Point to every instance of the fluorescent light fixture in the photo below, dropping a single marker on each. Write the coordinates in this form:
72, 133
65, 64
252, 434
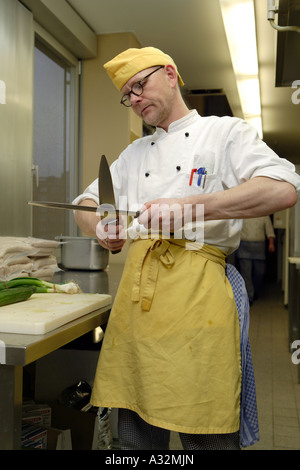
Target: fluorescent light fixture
249, 93
239, 22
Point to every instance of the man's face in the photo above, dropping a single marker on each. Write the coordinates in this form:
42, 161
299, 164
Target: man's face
155, 104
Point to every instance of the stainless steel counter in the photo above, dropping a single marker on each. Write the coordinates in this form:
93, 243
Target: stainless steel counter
18, 350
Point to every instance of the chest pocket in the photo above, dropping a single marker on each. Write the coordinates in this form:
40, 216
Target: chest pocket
201, 176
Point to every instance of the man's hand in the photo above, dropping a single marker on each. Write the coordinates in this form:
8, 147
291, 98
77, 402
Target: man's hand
271, 245
111, 233
163, 215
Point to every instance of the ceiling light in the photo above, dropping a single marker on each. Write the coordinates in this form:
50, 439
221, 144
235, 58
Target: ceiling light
239, 22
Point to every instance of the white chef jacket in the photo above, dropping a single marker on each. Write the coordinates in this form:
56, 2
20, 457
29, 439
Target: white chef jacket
161, 166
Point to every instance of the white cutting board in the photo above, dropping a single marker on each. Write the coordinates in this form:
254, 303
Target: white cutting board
45, 312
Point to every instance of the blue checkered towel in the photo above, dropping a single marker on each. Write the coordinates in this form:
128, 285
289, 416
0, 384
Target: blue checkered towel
249, 432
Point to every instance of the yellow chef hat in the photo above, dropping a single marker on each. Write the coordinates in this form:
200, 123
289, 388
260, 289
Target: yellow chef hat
122, 67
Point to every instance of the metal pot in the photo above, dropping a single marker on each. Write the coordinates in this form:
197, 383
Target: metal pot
82, 253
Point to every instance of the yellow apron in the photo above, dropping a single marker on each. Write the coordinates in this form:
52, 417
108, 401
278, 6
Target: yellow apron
171, 350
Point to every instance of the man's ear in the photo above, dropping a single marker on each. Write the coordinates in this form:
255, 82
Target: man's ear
171, 74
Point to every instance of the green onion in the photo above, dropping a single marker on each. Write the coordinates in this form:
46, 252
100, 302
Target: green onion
41, 286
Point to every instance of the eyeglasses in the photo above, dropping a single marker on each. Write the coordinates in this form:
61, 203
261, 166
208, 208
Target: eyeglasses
136, 89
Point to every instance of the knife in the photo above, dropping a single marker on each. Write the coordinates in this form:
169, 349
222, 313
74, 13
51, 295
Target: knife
106, 197
102, 210
105, 188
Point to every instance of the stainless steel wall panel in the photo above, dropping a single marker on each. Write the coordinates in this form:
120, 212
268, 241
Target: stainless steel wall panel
16, 117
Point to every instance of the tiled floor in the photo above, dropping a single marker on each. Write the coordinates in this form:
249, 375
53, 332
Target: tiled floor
277, 387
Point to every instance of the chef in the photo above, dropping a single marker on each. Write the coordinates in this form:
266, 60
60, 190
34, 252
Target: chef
171, 358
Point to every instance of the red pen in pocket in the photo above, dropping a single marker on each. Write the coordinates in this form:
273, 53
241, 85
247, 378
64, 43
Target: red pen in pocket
194, 170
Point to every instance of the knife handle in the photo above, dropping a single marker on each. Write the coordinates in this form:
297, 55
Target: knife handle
116, 251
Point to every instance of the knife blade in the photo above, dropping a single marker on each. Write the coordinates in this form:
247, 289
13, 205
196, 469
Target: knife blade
105, 185
105, 188
101, 210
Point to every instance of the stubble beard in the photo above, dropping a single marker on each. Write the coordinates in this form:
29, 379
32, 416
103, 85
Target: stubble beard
158, 118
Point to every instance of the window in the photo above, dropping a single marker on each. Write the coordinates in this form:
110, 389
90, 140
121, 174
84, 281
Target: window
54, 140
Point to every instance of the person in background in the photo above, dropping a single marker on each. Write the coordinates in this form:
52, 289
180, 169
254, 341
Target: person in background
171, 355
251, 254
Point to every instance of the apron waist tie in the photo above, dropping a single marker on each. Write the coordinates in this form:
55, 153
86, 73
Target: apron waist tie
159, 251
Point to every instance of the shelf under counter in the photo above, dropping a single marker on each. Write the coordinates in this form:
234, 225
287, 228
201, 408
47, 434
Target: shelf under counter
18, 350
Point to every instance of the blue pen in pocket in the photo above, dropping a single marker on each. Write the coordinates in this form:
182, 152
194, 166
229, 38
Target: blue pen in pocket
201, 172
